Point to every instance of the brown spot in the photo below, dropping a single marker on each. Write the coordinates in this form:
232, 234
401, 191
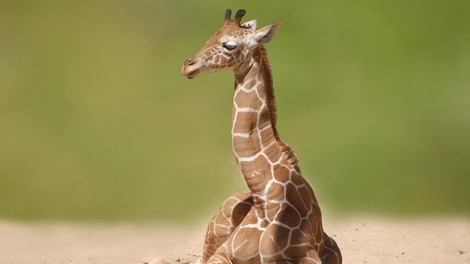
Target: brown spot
273, 153
281, 173
248, 238
245, 122
295, 198
256, 173
267, 137
246, 147
299, 237
221, 219
217, 59
244, 99
276, 192
297, 179
289, 216
274, 239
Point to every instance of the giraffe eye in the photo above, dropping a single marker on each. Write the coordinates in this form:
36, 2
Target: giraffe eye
229, 45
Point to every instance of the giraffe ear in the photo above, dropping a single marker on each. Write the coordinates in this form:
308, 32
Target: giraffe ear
265, 34
249, 24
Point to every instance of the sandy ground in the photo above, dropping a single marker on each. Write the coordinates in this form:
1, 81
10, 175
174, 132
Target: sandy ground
362, 240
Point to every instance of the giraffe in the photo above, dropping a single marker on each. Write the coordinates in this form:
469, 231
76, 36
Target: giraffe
278, 220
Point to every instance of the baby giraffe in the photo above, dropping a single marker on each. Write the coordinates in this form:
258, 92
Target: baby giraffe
279, 219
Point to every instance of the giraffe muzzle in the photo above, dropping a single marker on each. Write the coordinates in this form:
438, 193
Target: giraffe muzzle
191, 68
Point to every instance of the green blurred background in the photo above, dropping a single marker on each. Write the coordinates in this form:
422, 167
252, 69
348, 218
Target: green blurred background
97, 124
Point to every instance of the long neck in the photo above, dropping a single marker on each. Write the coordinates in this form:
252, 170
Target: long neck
254, 135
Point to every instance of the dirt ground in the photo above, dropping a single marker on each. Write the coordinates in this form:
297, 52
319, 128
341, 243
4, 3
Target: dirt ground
362, 240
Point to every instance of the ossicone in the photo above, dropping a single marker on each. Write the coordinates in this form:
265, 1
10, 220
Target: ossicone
228, 15
238, 16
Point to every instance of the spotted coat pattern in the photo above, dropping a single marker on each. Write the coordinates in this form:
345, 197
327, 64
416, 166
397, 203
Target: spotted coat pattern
278, 220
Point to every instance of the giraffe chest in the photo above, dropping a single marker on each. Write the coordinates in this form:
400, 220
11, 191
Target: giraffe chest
257, 240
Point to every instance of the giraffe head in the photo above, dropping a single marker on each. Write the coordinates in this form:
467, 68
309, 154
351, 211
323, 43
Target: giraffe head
230, 47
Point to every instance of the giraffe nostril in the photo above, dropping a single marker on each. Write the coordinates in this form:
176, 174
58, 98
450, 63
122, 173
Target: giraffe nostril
190, 62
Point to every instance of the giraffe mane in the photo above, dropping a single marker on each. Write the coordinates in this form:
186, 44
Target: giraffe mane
286, 149
269, 88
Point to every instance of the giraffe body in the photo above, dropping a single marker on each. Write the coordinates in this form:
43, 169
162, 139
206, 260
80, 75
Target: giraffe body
278, 220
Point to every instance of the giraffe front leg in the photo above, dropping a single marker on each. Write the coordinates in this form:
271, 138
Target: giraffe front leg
231, 213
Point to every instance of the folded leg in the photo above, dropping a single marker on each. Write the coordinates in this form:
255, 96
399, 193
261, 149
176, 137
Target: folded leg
231, 213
